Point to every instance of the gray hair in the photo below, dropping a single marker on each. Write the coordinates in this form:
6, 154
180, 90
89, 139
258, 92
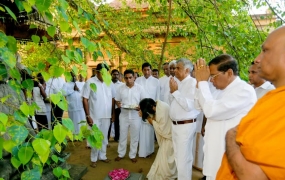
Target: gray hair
173, 62
186, 63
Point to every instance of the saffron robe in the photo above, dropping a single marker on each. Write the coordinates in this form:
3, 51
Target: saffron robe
261, 135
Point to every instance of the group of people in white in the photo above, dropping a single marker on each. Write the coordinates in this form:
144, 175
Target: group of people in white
166, 108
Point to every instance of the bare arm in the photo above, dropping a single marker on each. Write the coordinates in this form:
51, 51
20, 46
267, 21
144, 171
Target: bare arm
243, 169
86, 109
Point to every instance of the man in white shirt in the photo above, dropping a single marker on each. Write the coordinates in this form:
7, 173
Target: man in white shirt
223, 105
75, 106
98, 110
261, 86
164, 83
155, 73
115, 126
127, 98
151, 89
53, 86
183, 114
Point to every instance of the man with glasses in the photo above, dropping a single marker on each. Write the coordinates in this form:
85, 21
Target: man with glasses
128, 97
223, 105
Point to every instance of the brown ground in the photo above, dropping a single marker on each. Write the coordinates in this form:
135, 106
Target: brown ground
81, 155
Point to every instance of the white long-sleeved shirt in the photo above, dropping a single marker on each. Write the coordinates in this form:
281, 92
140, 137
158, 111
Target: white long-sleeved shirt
73, 97
223, 109
263, 89
100, 102
164, 89
130, 96
151, 87
54, 85
182, 101
115, 87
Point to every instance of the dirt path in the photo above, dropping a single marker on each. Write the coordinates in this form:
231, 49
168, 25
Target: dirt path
81, 155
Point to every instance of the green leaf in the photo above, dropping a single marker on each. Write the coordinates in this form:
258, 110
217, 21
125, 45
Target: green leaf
63, 105
12, 44
41, 146
11, 13
44, 157
93, 87
14, 73
75, 69
59, 133
49, 16
25, 108
28, 84
33, 174
54, 158
68, 76
65, 173
3, 39
2, 9
8, 145
36, 160
15, 162
44, 39
70, 54
51, 31
3, 99
106, 76
46, 76
109, 54
65, 59
77, 56
92, 141
15, 86
27, 6
64, 26
3, 72
8, 57
56, 71
57, 171
43, 5
19, 116
1, 146
32, 2
36, 39
76, 26
18, 133
3, 118
25, 154
41, 66
52, 61
68, 123
58, 148
32, 26
55, 98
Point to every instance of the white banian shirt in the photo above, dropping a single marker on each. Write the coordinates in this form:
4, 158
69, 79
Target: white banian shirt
100, 102
115, 86
164, 89
130, 96
182, 101
54, 85
223, 109
151, 87
263, 89
73, 97
80, 85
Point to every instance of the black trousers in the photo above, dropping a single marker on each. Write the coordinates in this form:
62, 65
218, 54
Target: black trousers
56, 113
116, 124
42, 119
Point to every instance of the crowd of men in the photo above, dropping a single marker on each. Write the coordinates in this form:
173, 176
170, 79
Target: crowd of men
239, 128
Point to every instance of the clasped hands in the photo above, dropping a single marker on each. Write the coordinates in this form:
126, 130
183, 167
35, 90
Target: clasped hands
202, 71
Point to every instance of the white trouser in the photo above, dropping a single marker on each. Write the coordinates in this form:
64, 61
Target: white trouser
103, 124
134, 126
182, 137
146, 141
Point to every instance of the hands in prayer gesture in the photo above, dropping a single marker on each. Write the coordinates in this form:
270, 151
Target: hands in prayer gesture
173, 85
202, 71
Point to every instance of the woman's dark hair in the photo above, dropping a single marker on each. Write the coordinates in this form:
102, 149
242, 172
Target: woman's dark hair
146, 106
225, 62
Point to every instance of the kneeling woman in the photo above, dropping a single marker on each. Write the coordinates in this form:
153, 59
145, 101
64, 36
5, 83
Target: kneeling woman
157, 114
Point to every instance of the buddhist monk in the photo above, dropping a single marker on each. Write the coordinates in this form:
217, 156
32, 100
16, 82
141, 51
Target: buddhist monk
255, 148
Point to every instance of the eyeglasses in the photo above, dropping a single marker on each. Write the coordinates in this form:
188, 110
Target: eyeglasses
214, 76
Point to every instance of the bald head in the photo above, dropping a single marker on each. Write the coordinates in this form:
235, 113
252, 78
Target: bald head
271, 61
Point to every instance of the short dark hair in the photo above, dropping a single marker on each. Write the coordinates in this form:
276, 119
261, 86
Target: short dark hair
155, 70
138, 75
129, 71
115, 70
166, 63
102, 65
146, 106
146, 64
224, 63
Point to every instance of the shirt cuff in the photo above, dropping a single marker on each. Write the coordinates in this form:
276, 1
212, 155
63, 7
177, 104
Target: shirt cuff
175, 93
202, 84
